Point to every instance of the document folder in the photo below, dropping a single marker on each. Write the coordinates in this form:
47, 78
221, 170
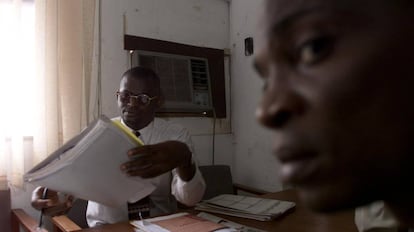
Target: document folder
88, 166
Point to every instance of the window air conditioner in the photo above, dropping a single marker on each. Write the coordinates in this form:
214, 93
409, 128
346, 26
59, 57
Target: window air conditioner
185, 81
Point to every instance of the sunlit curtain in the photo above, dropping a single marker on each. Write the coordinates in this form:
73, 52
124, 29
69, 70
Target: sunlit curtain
48, 79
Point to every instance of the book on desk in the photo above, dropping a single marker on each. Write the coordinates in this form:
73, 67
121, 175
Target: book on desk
88, 166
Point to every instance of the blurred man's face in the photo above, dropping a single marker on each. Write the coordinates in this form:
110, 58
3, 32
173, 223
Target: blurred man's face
338, 93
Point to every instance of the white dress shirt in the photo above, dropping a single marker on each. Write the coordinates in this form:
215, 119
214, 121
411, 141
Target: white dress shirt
169, 186
375, 216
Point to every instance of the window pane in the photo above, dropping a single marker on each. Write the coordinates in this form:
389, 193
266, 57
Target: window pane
17, 73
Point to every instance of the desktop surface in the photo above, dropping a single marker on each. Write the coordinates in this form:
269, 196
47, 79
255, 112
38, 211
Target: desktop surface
299, 219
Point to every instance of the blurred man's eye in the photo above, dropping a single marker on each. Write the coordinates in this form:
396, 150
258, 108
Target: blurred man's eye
261, 70
260, 66
314, 50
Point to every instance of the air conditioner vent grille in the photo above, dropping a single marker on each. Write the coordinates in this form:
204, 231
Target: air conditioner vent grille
184, 80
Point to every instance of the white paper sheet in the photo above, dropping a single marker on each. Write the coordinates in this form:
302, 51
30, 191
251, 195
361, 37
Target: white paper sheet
88, 167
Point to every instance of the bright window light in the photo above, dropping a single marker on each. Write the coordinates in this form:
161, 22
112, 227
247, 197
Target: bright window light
17, 69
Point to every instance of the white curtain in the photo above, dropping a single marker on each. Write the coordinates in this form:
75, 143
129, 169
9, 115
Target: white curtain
50, 89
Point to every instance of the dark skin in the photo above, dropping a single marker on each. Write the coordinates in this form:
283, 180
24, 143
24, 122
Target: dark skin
52, 205
145, 161
338, 94
151, 160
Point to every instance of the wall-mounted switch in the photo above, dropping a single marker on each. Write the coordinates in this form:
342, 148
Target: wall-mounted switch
248, 46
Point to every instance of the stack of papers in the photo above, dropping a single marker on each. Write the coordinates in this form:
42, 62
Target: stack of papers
88, 166
179, 222
233, 226
246, 207
184, 222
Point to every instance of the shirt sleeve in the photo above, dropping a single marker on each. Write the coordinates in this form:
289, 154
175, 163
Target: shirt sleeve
188, 192
191, 192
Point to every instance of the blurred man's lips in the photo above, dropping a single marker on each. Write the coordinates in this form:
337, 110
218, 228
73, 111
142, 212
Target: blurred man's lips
291, 154
297, 166
297, 171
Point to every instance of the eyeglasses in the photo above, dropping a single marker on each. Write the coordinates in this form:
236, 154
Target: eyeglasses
132, 99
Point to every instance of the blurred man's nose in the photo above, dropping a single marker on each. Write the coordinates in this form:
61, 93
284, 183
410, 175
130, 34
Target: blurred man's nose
280, 105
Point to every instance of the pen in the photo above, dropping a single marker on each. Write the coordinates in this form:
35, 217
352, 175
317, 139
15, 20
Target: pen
44, 196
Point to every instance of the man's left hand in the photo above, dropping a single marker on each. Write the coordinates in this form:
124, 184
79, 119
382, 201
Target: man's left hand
153, 160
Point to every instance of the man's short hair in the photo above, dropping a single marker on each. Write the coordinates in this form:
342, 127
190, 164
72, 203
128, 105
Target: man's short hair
145, 73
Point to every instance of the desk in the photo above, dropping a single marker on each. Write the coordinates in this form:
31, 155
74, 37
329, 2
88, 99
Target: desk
299, 220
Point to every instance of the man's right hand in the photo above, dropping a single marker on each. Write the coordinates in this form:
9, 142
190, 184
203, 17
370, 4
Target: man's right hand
51, 205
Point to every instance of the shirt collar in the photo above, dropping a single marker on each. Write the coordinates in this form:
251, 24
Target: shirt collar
142, 130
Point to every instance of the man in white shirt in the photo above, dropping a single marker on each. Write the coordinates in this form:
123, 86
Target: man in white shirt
167, 156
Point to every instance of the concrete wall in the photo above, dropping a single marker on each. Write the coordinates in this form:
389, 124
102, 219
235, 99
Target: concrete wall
253, 164
193, 22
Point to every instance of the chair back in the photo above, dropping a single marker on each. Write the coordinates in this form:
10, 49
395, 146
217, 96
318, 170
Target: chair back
5, 210
218, 180
78, 213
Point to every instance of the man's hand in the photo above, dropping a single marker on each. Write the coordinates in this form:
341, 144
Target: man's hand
51, 206
153, 160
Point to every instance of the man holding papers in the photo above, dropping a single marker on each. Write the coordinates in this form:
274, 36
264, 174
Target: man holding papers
166, 158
